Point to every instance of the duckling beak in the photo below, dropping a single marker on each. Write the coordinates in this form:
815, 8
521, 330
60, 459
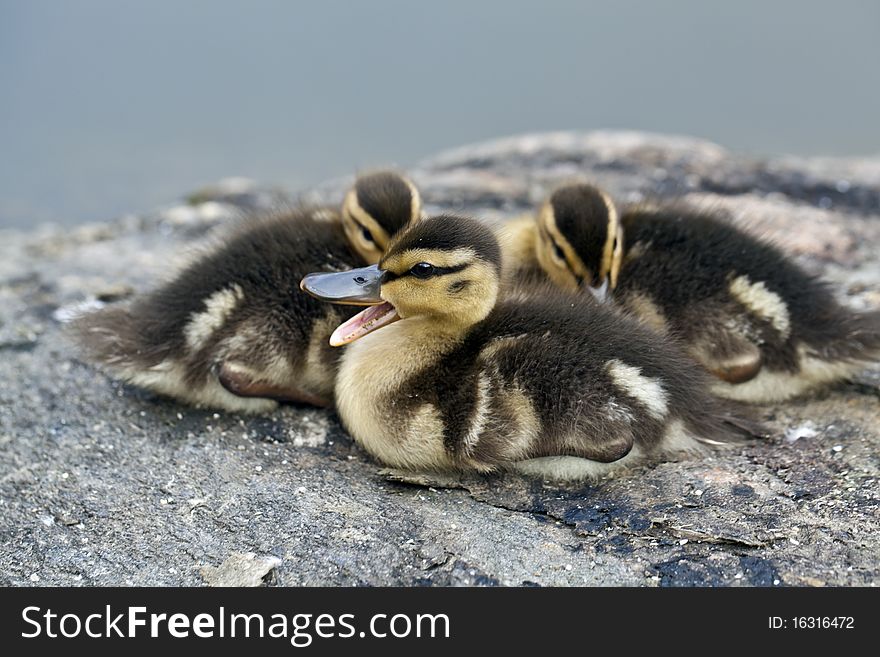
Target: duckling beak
358, 287
600, 291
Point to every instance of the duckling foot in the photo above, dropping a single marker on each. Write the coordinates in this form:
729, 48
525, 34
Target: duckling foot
737, 371
242, 384
732, 365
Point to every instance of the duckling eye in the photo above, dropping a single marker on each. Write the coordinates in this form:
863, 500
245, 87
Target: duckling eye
367, 235
558, 252
422, 270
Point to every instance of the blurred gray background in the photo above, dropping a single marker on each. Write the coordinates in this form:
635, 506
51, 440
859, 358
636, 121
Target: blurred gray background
113, 106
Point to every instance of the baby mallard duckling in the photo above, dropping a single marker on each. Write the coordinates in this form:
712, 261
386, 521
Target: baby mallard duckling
748, 314
233, 330
441, 374
376, 207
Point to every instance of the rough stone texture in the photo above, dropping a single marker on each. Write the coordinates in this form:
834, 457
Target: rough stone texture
104, 484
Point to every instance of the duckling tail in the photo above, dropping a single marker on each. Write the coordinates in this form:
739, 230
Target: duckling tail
857, 340
730, 423
740, 422
112, 337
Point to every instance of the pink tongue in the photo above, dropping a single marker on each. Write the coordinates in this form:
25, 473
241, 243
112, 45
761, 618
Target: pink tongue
364, 322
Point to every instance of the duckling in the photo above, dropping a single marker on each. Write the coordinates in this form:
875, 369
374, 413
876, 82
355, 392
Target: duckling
765, 328
441, 374
233, 330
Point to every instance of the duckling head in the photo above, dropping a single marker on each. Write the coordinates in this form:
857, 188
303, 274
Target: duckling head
377, 207
580, 239
444, 270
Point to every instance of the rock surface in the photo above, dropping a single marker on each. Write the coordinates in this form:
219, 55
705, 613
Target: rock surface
102, 484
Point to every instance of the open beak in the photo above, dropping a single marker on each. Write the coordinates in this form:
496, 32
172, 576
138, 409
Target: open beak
357, 287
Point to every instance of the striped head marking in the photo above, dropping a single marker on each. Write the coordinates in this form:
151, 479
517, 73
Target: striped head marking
580, 238
377, 207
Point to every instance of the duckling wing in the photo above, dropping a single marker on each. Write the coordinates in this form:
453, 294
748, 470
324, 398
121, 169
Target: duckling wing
720, 335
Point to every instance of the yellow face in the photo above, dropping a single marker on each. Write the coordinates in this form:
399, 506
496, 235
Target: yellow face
453, 287
364, 233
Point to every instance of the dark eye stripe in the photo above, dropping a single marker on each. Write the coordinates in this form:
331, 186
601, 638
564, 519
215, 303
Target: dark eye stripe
364, 230
438, 271
561, 254
556, 247
442, 271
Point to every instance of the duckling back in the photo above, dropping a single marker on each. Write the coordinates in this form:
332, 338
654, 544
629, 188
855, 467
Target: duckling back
765, 327
605, 389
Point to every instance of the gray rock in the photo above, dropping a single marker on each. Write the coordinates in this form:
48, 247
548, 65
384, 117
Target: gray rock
240, 570
105, 484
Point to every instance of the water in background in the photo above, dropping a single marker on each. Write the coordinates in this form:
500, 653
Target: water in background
112, 106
